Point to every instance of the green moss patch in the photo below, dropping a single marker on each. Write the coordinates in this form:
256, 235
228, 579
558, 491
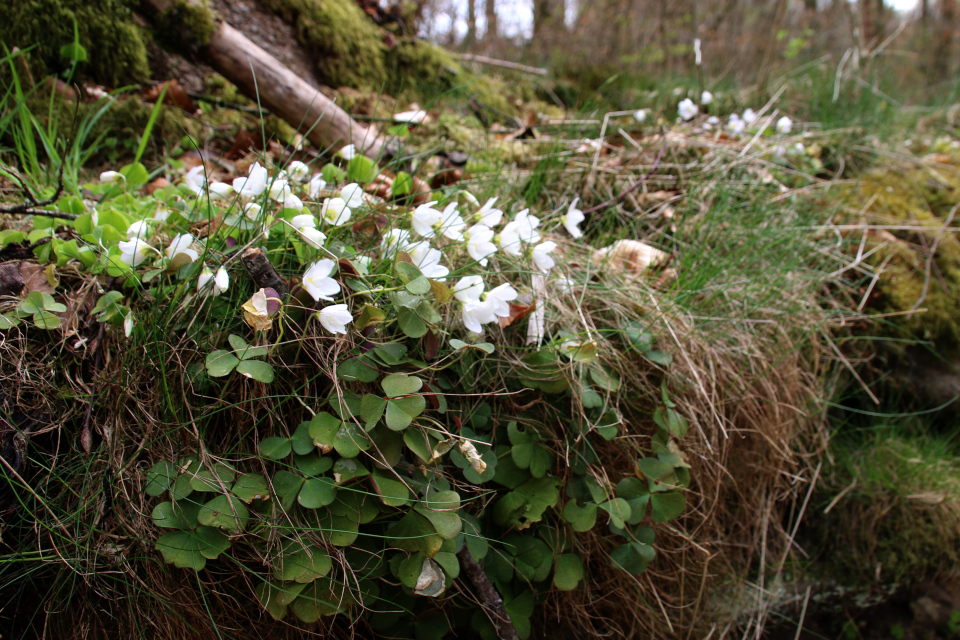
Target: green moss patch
116, 47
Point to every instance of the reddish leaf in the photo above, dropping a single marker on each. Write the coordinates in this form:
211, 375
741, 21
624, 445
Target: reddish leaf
517, 312
431, 346
175, 95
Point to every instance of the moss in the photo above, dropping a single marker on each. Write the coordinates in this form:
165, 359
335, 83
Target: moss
923, 198
347, 46
900, 513
186, 26
116, 48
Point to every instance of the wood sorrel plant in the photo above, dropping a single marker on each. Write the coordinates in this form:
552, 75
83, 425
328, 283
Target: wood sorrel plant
414, 457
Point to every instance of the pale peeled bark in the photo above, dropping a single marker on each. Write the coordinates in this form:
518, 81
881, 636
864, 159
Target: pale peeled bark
260, 76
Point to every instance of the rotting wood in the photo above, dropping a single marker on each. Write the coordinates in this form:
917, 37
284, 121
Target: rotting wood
491, 599
263, 78
262, 273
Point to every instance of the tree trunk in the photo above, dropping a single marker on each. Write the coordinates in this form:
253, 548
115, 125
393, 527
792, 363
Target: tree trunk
259, 76
490, 10
471, 36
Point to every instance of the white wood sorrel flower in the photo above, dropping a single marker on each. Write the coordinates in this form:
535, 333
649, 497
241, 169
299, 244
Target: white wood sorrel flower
427, 259
108, 177
253, 184
134, 251
297, 171
335, 318
489, 216
213, 284
571, 221
480, 244
784, 125
541, 256
179, 250
352, 194
317, 280
335, 211
687, 109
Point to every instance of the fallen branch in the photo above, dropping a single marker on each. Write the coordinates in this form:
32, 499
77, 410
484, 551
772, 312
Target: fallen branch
491, 599
32, 206
504, 64
264, 79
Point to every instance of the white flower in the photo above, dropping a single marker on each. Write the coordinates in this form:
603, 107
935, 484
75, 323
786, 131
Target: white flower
253, 184
335, 211
736, 125
317, 280
352, 194
425, 218
509, 239
348, 152
335, 318
749, 116
279, 190
137, 229
313, 237
220, 190
501, 297
541, 256
217, 283
108, 177
316, 185
180, 246
488, 215
565, 284
480, 245
706, 98
427, 260
526, 226
798, 149
784, 125
128, 324
394, 241
251, 211
304, 221
133, 252
195, 180
221, 282
714, 120
161, 214
291, 201
468, 289
451, 224
414, 117
687, 109
572, 220
640, 115
297, 171
476, 314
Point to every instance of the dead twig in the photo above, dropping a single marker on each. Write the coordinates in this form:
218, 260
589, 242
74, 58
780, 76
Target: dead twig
634, 186
491, 599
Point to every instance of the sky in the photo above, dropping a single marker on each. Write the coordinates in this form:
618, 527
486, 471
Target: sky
516, 16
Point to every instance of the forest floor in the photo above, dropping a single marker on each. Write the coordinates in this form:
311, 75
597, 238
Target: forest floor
793, 294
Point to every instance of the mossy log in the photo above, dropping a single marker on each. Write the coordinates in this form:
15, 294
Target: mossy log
262, 77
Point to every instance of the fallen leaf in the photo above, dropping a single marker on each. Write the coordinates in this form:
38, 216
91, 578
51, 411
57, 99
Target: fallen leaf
630, 256
159, 183
473, 457
34, 278
517, 312
175, 95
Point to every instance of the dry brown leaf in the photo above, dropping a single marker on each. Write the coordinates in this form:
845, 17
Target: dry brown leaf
517, 312
34, 279
175, 95
630, 256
